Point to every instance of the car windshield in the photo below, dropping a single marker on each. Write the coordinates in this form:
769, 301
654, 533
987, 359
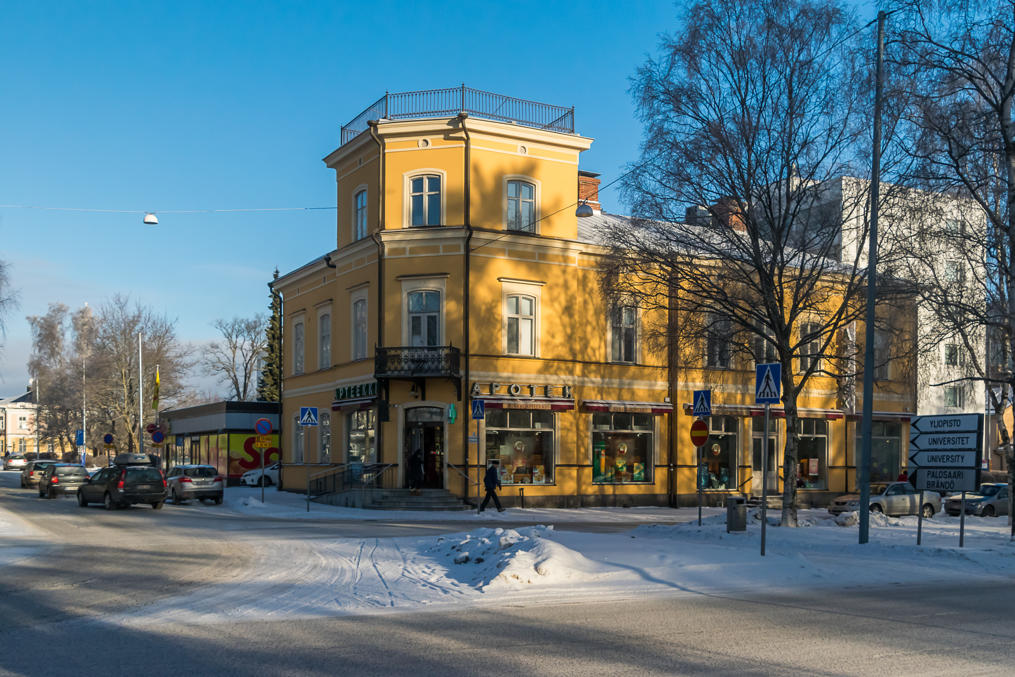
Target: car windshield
143, 475
989, 489
878, 489
74, 470
42, 465
204, 471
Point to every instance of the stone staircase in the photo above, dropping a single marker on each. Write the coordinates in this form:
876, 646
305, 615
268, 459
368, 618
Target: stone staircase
401, 499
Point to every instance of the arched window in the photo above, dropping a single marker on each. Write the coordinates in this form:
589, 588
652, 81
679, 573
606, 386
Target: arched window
521, 206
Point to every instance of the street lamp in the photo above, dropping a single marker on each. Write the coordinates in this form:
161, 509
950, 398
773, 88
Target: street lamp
584, 210
150, 219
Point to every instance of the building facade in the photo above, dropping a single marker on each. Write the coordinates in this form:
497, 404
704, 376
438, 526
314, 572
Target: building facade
17, 425
462, 276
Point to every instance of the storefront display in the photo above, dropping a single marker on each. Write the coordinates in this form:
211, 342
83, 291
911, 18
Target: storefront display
361, 427
621, 448
812, 454
885, 445
719, 455
522, 441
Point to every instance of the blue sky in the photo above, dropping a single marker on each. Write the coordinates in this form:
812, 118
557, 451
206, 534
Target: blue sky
201, 105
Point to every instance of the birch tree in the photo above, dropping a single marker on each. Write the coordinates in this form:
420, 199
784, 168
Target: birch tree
236, 358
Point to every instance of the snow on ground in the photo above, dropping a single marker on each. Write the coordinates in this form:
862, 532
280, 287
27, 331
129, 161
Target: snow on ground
296, 577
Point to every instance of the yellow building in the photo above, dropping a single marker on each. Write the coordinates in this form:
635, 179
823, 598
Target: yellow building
461, 274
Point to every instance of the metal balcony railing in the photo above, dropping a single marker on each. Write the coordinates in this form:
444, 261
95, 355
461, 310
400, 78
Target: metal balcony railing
437, 103
418, 362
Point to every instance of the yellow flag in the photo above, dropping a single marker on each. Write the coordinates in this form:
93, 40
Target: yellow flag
155, 397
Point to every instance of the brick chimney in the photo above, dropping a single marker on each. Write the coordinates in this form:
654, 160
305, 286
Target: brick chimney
727, 213
588, 189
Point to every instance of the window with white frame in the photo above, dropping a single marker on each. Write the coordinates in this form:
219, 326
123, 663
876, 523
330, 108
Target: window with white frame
22, 423
424, 318
624, 333
521, 206
298, 346
763, 347
360, 214
359, 329
324, 340
810, 346
953, 355
954, 397
298, 437
718, 335
954, 272
521, 324
425, 200
325, 434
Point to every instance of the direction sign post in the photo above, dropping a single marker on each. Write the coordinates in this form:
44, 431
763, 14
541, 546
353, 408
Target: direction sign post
767, 391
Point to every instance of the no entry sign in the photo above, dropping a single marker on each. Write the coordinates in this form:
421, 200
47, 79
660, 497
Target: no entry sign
699, 433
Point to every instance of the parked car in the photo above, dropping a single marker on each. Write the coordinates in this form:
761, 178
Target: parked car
195, 481
125, 483
893, 498
14, 461
61, 478
32, 472
991, 500
254, 478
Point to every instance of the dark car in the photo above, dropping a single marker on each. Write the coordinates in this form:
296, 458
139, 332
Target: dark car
991, 500
62, 478
195, 481
32, 472
123, 484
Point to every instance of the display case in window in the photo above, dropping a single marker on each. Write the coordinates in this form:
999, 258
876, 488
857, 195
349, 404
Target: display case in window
522, 441
621, 447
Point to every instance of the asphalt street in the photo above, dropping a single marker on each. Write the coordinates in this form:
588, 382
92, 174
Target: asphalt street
89, 564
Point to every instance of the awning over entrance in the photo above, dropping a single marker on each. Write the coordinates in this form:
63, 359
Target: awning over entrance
621, 406
541, 403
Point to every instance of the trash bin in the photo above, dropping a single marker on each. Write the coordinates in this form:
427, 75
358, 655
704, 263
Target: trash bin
736, 513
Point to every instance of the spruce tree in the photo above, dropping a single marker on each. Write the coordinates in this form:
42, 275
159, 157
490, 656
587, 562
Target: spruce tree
269, 385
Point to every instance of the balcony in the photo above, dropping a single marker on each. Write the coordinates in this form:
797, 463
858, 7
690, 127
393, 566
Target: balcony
446, 103
417, 364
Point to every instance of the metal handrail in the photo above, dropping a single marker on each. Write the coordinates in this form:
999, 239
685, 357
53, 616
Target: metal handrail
448, 102
467, 479
345, 477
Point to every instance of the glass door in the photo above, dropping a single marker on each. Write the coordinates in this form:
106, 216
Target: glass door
773, 468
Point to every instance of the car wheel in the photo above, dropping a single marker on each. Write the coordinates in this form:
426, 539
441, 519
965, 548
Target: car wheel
81, 499
989, 511
107, 501
50, 493
157, 505
176, 498
928, 511
876, 507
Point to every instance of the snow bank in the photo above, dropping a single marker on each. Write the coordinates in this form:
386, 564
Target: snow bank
493, 558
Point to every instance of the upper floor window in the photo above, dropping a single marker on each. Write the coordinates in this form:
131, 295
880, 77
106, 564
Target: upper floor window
324, 341
298, 347
763, 347
954, 397
521, 206
953, 355
359, 329
425, 200
424, 318
624, 328
719, 333
521, 325
882, 355
22, 422
360, 214
955, 272
810, 346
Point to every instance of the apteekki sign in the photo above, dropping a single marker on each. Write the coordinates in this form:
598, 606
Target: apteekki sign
945, 452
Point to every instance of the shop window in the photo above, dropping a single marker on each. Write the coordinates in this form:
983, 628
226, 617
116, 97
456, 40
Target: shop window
521, 325
621, 448
424, 318
360, 214
298, 347
521, 206
325, 433
719, 455
324, 341
361, 427
523, 443
810, 346
359, 329
425, 200
885, 455
298, 437
624, 330
718, 334
813, 454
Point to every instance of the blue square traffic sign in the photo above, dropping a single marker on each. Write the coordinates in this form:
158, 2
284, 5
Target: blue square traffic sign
478, 410
768, 383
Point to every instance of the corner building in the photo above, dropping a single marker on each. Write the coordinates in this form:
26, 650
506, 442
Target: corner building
461, 273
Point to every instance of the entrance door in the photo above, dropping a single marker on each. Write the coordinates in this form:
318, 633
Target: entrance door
773, 468
424, 430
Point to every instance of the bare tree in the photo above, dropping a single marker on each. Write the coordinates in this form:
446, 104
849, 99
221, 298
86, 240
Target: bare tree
236, 359
747, 235
8, 298
957, 58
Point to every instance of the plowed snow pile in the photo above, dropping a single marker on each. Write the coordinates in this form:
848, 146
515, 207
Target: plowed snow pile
492, 558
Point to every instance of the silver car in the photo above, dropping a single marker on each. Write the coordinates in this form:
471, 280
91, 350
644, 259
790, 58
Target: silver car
195, 481
991, 500
894, 498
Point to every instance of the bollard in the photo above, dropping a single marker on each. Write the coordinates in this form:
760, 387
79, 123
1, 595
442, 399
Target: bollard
521, 496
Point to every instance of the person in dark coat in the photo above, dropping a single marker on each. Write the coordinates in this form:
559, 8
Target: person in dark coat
492, 483
416, 472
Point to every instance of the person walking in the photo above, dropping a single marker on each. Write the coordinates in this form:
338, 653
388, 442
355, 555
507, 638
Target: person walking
416, 472
492, 483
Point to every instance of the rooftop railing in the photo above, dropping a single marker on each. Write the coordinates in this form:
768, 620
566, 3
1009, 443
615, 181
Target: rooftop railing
437, 103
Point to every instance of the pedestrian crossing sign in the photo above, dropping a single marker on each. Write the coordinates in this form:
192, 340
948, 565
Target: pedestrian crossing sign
308, 416
767, 383
702, 403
